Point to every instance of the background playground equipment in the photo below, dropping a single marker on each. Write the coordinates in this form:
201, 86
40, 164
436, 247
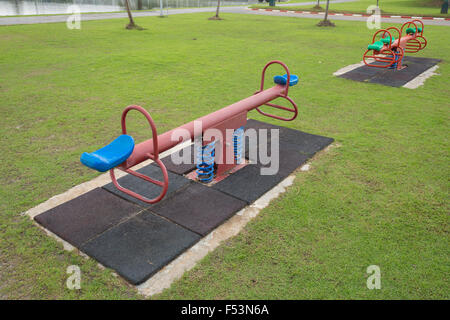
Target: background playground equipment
389, 52
124, 154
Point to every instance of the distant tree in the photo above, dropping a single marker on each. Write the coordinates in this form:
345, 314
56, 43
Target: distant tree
216, 17
17, 5
326, 11
444, 8
317, 5
139, 4
131, 25
325, 22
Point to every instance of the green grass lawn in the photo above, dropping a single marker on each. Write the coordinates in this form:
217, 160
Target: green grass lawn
393, 7
380, 196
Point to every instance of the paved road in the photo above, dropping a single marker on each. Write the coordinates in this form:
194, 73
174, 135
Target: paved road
116, 15
335, 17
312, 3
96, 16
237, 9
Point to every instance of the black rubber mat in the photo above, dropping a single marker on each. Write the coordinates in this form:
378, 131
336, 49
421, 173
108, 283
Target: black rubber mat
137, 239
147, 189
391, 77
182, 168
247, 183
305, 143
290, 158
85, 217
141, 246
295, 148
198, 208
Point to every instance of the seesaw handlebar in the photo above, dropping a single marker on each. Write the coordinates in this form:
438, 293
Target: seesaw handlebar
153, 155
263, 75
166, 140
281, 95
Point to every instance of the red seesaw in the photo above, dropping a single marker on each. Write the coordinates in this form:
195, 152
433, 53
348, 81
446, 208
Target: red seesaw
123, 154
389, 52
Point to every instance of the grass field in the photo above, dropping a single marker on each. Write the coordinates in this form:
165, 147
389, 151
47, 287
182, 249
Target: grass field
379, 196
392, 7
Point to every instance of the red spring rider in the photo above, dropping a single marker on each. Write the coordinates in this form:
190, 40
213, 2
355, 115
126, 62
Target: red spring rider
388, 52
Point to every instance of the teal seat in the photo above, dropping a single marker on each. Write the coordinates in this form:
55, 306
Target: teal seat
386, 40
109, 156
412, 30
293, 80
376, 46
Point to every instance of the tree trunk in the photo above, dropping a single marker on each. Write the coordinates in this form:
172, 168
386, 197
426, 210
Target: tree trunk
326, 11
218, 7
17, 5
139, 4
127, 6
444, 8
216, 17
36, 6
131, 25
325, 22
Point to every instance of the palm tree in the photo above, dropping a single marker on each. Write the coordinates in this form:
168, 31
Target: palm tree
216, 17
325, 22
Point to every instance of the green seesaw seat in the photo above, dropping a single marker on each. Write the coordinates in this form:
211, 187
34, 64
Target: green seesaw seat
412, 30
378, 45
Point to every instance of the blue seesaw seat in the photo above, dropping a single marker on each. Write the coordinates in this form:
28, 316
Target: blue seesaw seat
283, 79
109, 156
